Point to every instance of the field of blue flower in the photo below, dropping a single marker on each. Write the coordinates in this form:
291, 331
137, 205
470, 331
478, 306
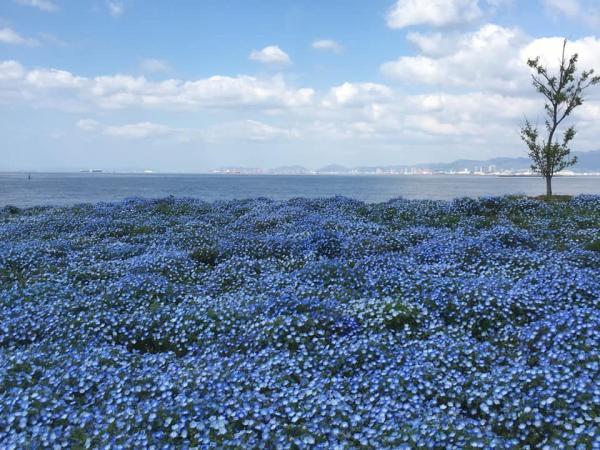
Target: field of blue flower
301, 324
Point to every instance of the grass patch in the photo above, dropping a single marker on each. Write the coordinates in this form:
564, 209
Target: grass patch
553, 198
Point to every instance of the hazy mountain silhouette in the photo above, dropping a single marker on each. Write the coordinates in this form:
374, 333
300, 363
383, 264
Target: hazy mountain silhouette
587, 162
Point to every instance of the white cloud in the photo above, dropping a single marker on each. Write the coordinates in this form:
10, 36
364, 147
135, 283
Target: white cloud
45, 87
152, 65
497, 4
433, 44
115, 7
438, 13
549, 49
44, 79
271, 54
489, 118
377, 113
141, 130
11, 70
489, 67
567, 7
248, 130
473, 62
586, 11
433, 125
242, 130
9, 36
44, 5
480, 120
357, 94
88, 124
11, 75
327, 45
258, 131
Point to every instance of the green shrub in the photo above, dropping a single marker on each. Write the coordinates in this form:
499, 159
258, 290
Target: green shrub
594, 246
398, 315
205, 254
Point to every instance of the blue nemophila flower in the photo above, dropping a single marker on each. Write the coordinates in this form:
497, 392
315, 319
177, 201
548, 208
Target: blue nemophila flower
324, 323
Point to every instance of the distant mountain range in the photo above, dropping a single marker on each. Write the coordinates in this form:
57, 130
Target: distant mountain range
587, 162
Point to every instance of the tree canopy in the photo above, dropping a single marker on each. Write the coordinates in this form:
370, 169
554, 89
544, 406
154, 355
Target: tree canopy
563, 92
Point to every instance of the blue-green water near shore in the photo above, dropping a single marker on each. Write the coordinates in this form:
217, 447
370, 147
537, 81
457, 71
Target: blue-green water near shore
71, 188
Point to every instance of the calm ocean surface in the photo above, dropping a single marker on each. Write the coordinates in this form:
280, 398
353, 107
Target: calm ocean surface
67, 189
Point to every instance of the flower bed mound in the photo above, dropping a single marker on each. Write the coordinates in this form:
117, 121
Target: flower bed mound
325, 323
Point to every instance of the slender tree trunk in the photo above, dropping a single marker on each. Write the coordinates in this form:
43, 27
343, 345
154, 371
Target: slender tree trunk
548, 186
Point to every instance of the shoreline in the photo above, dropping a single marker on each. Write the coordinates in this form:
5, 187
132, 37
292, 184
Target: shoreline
320, 174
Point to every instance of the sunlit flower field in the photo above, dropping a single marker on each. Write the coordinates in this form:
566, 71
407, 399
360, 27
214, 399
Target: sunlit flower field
325, 323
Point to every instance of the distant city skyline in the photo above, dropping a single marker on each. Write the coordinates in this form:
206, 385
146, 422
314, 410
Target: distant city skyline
192, 86
588, 164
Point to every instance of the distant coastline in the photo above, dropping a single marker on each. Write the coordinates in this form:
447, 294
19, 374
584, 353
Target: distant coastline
274, 173
588, 165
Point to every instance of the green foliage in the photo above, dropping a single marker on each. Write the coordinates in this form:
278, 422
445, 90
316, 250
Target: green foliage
594, 246
205, 254
554, 198
548, 157
563, 93
399, 315
169, 207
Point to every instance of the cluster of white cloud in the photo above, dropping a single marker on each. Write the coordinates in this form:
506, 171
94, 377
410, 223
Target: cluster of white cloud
587, 11
141, 130
250, 130
357, 94
445, 13
10, 36
486, 66
468, 60
471, 60
438, 13
369, 111
62, 89
476, 70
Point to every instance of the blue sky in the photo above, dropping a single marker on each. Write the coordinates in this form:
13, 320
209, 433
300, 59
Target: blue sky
193, 85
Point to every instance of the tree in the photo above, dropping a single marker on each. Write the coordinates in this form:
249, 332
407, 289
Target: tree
563, 93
